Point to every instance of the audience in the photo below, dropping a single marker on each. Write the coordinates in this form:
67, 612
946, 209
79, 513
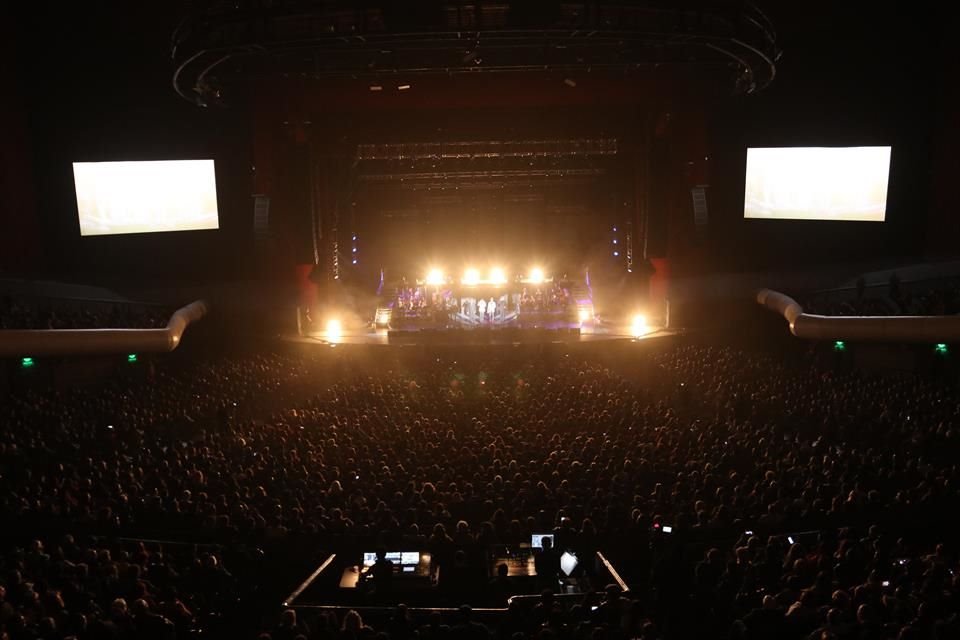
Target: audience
803, 502
78, 314
941, 298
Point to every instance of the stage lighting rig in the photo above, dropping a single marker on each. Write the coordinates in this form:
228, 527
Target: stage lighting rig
218, 48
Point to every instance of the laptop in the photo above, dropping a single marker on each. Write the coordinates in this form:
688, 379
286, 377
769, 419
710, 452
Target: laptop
536, 540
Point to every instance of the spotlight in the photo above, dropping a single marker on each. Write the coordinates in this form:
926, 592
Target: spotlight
471, 276
638, 326
403, 87
334, 328
536, 275
583, 314
435, 277
498, 276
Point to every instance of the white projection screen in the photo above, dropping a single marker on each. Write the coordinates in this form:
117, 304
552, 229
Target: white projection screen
817, 183
145, 197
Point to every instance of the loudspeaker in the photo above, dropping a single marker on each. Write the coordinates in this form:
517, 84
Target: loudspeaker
700, 213
261, 217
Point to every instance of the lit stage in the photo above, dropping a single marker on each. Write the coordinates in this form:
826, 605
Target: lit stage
551, 333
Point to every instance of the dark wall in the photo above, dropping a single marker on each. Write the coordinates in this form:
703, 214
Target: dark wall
848, 77
943, 230
92, 82
96, 87
19, 231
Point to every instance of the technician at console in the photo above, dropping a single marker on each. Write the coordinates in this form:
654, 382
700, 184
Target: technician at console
546, 561
382, 574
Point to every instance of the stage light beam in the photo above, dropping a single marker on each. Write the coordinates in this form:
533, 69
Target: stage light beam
638, 325
435, 277
536, 275
498, 276
471, 277
583, 314
334, 329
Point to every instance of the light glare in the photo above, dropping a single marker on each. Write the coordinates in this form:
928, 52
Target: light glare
435, 277
638, 326
471, 276
147, 196
334, 328
817, 183
498, 275
536, 275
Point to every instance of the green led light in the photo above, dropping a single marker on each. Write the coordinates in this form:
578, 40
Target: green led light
839, 345
26, 362
941, 348
132, 357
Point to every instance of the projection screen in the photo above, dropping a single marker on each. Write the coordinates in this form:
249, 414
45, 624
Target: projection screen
817, 183
145, 197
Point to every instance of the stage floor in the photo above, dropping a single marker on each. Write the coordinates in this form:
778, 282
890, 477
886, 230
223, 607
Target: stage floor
547, 334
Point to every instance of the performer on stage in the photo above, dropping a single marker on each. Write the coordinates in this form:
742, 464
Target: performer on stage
482, 308
492, 310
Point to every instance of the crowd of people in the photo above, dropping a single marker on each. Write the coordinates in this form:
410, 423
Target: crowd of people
17, 313
413, 302
550, 297
939, 298
736, 451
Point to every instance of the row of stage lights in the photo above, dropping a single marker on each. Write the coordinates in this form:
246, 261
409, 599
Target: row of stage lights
471, 276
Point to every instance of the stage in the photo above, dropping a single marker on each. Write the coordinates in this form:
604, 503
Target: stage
558, 332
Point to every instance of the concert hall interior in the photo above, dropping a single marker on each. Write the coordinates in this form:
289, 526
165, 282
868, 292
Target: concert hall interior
526, 319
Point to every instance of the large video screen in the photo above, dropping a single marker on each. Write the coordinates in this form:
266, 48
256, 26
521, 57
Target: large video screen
145, 197
817, 183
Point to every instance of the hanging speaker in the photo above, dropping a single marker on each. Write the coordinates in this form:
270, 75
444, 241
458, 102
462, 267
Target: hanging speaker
261, 217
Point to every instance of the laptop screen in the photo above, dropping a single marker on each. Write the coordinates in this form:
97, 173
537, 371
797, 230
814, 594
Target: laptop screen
536, 540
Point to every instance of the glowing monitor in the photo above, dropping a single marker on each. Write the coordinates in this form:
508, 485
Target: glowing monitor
145, 197
817, 183
408, 558
536, 540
